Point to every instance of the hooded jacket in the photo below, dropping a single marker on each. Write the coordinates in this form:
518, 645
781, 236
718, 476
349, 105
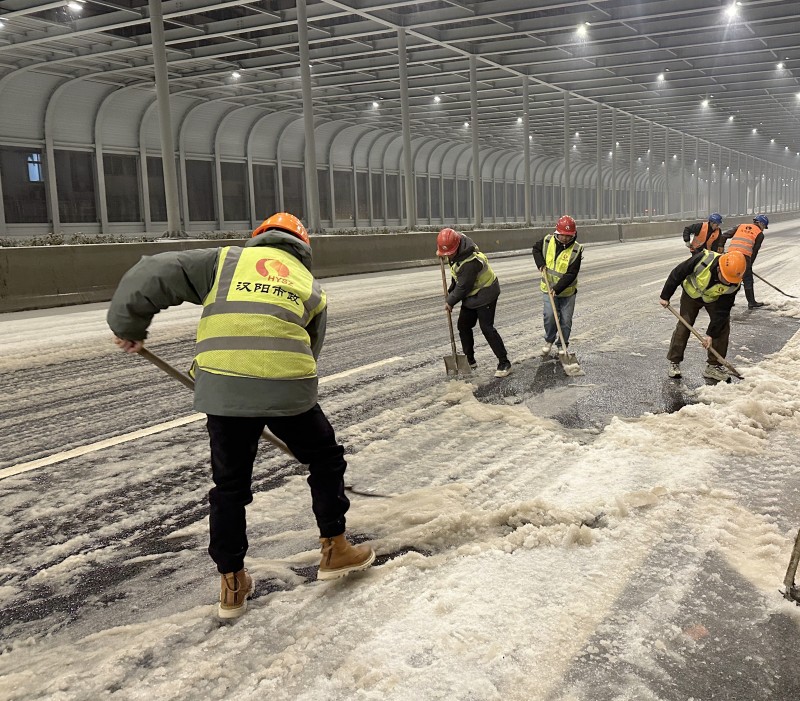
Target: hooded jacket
458, 291
168, 279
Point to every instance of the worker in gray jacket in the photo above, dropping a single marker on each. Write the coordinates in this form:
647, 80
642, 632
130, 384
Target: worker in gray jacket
261, 331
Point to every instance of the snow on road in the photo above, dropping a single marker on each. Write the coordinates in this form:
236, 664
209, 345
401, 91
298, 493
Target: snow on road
518, 559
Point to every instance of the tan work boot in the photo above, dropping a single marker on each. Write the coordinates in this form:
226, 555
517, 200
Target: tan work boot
340, 558
235, 588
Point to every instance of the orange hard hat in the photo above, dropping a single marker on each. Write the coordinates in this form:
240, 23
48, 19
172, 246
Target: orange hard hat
732, 267
447, 242
285, 222
566, 226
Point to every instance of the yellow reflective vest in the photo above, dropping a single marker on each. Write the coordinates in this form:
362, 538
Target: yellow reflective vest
254, 317
485, 277
697, 284
556, 266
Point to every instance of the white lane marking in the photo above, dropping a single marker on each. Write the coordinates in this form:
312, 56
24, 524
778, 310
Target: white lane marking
347, 373
92, 447
656, 282
141, 433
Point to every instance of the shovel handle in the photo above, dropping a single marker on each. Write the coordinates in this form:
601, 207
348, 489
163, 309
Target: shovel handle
788, 580
555, 311
187, 381
449, 315
785, 294
702, 340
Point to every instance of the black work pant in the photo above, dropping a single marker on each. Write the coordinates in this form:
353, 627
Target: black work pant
485, 317
690, 308
234, 443
747, 283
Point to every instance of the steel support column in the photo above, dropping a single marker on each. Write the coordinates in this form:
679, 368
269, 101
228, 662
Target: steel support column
567, 170
683, 175
312, 187
631, 174
650, 172
165, 120
599, 184
408, 164
613, 164
477, 194
526, 148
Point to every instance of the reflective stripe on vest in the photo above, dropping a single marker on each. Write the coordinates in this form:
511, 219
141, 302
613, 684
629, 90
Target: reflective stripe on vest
556, 266
702, 240
697, 284
254, 317
486, 276
744, 238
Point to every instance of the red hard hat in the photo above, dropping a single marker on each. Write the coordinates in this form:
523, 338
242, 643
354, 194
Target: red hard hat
566, 226
285, 222
447, 242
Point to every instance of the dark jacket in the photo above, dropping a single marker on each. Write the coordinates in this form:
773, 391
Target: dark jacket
728, 235
719, 312
693, 230
457, 292
572, 271
167, 279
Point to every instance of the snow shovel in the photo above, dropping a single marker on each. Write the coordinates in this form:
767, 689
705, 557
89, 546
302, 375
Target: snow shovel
455, 363
700, 338
791, 590
265, 434
569, 361
189, 382
773, 286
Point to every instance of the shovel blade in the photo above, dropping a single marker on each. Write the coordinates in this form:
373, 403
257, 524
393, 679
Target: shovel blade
569, 361
455, 364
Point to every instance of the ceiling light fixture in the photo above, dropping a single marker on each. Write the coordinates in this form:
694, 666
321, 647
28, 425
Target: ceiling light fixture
730, 119
375, 105
704, 103
519, 120
661, 77
466, 124
581, 29
75, 6
437, 99
236, 75
780, 66
731, 11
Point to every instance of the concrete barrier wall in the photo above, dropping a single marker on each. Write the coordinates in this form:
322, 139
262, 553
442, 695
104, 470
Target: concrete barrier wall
38, 277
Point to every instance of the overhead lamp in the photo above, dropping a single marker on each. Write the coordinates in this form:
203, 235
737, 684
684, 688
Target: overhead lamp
755, 131
466, 124
732, 11
582, 29
780, 66
437, 99
519, 120
236, 75
530, 138
704, 103
660, 77
375, 105
577, 134
575, 147
772, 141
2, 24
674, 156
730, 119
75, 6
617, 144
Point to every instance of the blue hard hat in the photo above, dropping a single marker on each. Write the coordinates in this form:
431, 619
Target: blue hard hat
761, 219
715, 218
